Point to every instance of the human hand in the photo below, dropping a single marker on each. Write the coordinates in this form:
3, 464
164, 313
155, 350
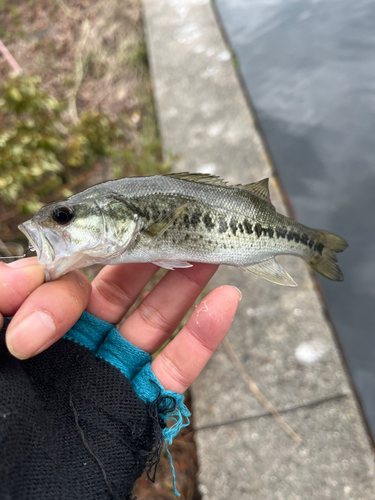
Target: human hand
44, 312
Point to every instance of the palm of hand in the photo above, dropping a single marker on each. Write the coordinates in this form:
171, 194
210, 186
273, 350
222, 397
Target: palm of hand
44, 312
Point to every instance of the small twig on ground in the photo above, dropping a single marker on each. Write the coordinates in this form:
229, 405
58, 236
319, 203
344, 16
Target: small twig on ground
78, 63
78, 71
257, 393
8, 56
68, 11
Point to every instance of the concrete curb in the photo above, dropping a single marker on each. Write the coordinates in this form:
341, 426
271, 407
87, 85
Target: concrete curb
205, 120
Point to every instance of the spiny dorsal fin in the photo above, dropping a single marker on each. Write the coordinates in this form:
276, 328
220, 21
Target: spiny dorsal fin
202, 178
259, 188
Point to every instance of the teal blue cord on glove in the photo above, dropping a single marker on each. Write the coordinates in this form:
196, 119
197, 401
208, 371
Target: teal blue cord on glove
105, 342
148, 388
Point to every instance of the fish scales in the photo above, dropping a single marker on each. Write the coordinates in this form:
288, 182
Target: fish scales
234, 227
175, 219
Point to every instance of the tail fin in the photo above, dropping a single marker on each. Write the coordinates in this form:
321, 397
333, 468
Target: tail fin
324, 259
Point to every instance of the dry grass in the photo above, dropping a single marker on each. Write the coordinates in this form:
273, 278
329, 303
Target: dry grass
91, 54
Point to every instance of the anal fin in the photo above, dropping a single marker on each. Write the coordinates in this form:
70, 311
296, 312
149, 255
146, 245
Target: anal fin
172, 264
272, 271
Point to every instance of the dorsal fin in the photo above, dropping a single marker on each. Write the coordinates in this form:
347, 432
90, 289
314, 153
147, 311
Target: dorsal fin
259, 188
202, 178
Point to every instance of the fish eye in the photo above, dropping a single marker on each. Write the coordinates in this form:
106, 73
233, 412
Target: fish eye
62, 215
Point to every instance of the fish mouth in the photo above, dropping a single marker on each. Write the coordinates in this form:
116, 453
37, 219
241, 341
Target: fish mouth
47, 245
38, 242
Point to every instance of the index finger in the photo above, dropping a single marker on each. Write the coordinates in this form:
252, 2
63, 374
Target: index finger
182, 360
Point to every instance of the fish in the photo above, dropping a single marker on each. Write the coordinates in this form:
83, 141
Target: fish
174, 220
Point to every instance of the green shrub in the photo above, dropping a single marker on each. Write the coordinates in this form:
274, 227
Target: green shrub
41, 150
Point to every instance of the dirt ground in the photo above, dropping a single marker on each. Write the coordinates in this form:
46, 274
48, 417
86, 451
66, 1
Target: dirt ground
92, 54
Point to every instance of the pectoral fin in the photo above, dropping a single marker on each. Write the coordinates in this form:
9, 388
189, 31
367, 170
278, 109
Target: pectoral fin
156, 229
272, 271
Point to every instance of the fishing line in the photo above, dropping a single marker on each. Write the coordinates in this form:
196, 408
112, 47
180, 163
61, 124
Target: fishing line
17, 256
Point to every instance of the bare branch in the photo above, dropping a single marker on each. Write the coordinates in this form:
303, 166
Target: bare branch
70, 12
8, 56
78, 71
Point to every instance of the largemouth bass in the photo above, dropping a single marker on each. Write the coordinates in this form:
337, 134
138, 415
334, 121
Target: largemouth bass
173, 220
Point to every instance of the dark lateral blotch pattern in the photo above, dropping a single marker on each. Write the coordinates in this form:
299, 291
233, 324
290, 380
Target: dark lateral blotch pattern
319, 248
244, 227
281, 233
223, 226
195, 219
208, 222
304, 239
186, 221
258, 229
248, 226
233, 226
293, 236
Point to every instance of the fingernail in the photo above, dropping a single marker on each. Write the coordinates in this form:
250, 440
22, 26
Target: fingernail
19, 264
239, 292
32, 335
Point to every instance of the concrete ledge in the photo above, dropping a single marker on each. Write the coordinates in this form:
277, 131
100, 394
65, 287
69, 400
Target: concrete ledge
205, 120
